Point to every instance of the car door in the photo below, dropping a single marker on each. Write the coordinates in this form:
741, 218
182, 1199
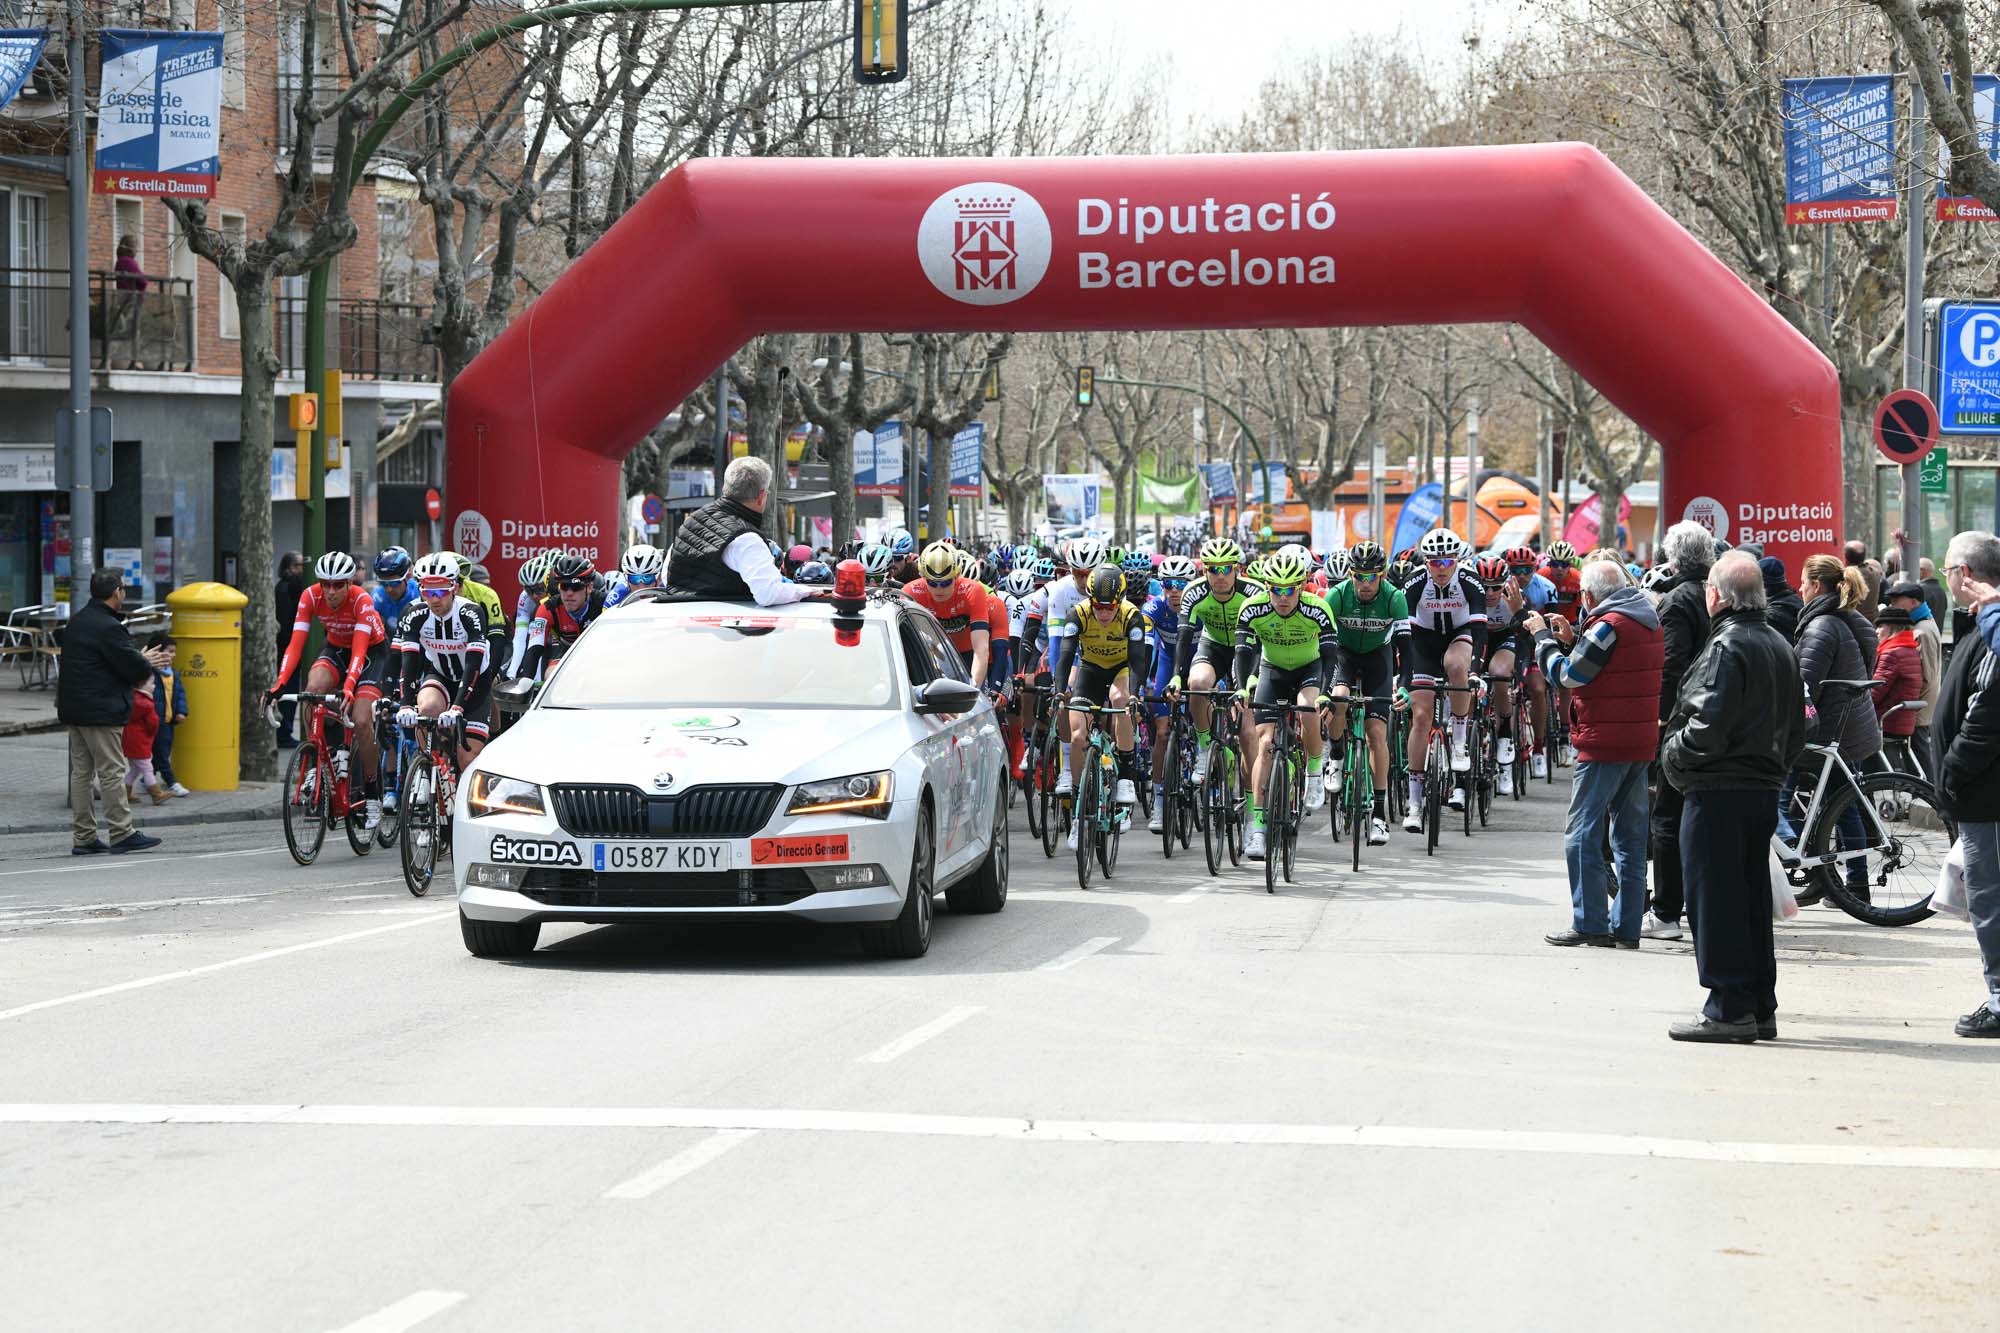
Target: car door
934, 749
961, 734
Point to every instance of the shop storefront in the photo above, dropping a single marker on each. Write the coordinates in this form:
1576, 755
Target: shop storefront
34, 527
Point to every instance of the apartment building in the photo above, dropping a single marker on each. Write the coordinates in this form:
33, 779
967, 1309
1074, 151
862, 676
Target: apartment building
165, 360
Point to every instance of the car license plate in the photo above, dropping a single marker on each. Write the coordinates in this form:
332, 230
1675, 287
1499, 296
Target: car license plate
694, 857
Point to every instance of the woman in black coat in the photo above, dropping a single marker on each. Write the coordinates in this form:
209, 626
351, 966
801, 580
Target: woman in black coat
1836, 642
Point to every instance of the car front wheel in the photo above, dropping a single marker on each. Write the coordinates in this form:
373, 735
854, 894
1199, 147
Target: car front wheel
499, 939
909, 935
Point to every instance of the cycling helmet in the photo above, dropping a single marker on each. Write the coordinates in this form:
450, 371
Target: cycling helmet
1045, 569
438, 569
1107, 584
1136, 562
1562, 553
1399, 571
1221, 551
1440, 544
334, 566
968, 565
1178, 568
1657, 578
393, 563
901, 543
1255, 571
1519, 557
463, 562
1336, 564
799, 554
1286, 568
1492, 570
642, 561
938, 562
1086, 552
814, 571
569, 567
534, 572
876, 559
1366, 558
1003, 555
1019, 583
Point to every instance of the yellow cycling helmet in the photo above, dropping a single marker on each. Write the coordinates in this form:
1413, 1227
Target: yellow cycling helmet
938, 561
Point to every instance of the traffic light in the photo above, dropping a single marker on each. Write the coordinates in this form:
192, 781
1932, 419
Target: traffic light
993, 383
1085, 380
880, 31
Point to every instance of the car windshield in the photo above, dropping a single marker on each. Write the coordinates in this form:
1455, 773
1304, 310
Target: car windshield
748, 659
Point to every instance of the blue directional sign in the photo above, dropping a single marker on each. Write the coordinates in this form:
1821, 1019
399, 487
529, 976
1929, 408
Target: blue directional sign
1968, 358
1840, 149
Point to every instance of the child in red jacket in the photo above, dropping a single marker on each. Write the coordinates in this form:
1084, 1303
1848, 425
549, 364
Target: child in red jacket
141, 729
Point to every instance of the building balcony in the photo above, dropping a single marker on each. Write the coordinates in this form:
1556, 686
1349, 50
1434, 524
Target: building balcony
369, 340
151, 329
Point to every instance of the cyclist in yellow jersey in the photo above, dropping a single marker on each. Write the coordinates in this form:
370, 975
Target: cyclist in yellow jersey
1105, 639
499, 641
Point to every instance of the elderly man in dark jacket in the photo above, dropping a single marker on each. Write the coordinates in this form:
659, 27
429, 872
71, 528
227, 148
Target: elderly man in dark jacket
1736, 730
100, 669
1968, 741
1683, 607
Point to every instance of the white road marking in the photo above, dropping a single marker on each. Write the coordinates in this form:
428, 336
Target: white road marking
1012, 1128
112, 861
1068, 960
406, 1313
383, 911
141, 902
162, 978
916, 1037
685, 1162
361, 897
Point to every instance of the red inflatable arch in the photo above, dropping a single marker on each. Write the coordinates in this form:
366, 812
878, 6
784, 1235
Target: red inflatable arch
1549, 236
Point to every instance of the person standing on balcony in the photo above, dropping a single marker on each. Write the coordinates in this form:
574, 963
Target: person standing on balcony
130, 282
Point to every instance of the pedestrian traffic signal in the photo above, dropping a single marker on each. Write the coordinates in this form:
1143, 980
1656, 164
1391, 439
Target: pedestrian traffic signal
880, 27
1085, 382
305, 411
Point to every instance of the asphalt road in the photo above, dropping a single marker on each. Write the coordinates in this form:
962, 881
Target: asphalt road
238, 1094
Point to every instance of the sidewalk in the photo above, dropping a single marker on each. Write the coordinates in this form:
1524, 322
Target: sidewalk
34, 791
25, 711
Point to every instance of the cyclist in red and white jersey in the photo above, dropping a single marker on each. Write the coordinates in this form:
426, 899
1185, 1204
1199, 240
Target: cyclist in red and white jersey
958, 602
353, 626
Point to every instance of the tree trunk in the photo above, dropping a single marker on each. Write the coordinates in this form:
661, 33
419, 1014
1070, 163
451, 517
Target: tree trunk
258, 755
1610, 493
839, 450
1016, 494
1857, 469
940, 486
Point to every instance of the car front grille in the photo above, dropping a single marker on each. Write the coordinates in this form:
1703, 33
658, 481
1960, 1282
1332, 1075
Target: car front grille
718, 889
591, 811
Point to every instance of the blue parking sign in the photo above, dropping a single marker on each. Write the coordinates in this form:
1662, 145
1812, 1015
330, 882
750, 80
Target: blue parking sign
1968, 358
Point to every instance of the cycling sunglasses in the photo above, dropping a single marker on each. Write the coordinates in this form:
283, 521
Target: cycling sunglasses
1370, 574
1220, 569
940, 583
436, 590
1284, 589
335, 585
1446, 562
1105, 606
1518, 570
573, 585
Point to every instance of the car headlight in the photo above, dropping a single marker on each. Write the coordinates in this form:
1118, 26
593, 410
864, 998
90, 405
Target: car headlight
863, 794
492, 794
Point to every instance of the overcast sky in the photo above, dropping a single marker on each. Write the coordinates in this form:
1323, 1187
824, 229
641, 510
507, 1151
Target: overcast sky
1221, 49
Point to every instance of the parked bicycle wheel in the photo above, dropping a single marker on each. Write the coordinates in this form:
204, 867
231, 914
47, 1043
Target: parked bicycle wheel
306, 803
1901, 874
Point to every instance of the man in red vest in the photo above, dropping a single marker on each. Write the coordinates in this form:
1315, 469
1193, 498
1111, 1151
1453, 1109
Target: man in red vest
1611, 663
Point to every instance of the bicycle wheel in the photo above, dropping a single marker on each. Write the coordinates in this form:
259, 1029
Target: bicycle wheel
1108, 838
1084, 816
1214, 800
306, 798
1434, 780
1170, 798
1237, 806
1902, 874
1295, 805
1275, 809
420, 826
1360, 783
1049, 768
1806, 889
1031, 787
359, 836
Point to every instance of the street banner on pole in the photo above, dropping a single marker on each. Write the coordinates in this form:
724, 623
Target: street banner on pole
878, 460
1420, 514
967, 448
1968, 368
1168, 497
1218, 479
20, 49
159, 114
1840, 149
1986, 123
1071, 499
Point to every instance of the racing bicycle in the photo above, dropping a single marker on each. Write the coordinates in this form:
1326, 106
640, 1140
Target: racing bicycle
430, 780
1219, 802
1354, 803
1179, 798
1099, 820
318, 787
1285, 794
1438, 774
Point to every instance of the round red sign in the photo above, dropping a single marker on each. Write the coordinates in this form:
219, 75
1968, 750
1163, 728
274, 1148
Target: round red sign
433, 503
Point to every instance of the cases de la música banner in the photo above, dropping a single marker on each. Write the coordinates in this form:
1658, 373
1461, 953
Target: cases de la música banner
159, 114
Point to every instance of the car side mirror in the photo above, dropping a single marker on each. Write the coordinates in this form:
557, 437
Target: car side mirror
945, 695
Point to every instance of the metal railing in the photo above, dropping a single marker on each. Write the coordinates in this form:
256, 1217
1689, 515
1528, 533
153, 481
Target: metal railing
130, 328
377, 340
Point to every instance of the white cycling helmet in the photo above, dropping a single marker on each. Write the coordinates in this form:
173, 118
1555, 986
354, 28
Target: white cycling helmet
1336, 564
1441, 544
1179, 567
1300, 550
333, 566
1019, 583
1085, 552
642, 560
436, 565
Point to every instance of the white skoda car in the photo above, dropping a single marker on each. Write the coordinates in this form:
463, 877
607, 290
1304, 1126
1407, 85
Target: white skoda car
827, 761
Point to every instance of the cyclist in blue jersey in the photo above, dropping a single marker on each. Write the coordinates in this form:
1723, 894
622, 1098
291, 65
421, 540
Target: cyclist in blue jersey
1162, 610
395, 592
640, 568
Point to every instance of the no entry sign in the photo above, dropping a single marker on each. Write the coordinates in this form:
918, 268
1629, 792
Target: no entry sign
1906, 426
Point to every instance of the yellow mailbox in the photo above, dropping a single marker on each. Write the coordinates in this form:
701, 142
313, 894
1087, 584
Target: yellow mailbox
208, 631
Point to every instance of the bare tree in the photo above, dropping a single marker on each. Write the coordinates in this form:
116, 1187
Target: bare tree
1936, 37
837, 400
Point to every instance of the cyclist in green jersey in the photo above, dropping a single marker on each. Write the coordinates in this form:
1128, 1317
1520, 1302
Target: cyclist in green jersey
1373, 624
1287, 637
1208, 614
